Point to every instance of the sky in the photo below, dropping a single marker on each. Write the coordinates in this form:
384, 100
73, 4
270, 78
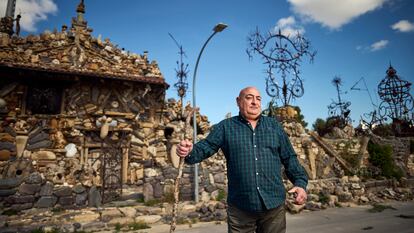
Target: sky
353, 39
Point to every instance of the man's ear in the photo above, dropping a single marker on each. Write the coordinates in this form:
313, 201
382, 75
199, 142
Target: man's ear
237, 101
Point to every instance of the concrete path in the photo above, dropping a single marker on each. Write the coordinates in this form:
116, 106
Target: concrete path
333, 220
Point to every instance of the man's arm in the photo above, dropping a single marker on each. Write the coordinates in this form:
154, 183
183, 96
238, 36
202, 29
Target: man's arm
293, 169
202, 149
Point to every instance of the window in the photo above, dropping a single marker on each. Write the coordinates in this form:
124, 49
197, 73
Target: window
44, 98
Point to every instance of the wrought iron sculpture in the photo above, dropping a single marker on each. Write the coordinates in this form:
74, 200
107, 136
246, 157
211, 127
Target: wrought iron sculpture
283, 55
371, 119
397, 102
182, 70
340, 109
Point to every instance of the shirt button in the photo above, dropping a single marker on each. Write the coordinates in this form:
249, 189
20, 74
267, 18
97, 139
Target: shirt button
258, 188
254, 145
254, 134
256, 159
257, 173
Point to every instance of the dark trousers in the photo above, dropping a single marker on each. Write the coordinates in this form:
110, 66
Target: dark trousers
269, 221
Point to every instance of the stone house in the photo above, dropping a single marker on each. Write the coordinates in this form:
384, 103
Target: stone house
77, 111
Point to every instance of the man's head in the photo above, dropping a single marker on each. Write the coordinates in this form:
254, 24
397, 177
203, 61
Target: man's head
249, 103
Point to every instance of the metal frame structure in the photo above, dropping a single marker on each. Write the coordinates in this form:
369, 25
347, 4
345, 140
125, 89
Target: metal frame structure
283, 55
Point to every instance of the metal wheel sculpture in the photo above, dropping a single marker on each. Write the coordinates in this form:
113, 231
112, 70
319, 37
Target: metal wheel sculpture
283, 55
397, 102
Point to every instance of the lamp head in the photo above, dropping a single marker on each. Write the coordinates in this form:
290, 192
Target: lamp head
219, 27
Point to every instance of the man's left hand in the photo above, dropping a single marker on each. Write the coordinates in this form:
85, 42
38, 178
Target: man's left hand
301, 195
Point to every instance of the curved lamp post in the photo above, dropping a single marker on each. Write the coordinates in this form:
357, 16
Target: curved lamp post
218, 28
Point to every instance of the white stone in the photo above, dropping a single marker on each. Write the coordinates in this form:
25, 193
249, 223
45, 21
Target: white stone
150, 219
128, 211
86, 217
150, 172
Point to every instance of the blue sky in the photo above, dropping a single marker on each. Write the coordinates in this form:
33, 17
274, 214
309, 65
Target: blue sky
353, 39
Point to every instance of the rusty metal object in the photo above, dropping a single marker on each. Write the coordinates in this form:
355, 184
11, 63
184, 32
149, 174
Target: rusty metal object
339, 110
181, 72
397, 102
283, 55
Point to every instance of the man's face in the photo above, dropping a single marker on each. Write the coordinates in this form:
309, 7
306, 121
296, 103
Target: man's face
249, 102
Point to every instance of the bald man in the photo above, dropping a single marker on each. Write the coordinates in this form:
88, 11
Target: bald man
255, 148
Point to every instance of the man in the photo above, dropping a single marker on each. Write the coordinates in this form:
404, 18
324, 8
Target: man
255, 147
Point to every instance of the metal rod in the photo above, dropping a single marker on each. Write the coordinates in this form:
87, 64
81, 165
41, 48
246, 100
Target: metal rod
218, 28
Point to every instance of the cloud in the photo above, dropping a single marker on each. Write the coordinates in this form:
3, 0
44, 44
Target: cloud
378, 45
403, 26
32, 12
381, 44
334, 13
288, 27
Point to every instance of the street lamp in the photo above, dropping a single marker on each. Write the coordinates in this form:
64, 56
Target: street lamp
218, 28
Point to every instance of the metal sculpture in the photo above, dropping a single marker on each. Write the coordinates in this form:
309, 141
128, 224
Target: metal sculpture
182, 70
340, 109
397, 102
283, 55
371, 119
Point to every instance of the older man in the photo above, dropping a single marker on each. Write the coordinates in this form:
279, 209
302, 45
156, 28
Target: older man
255, 148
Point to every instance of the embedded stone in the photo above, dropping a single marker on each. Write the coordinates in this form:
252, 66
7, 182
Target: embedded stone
66, 200
43, 155
62, 191
46, 189
29, 189
5, 155
34, 178
94, 197
79, 188
46, 202
9, 183
80, 199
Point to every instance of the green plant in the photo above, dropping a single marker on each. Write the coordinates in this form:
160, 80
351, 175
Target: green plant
300, 117
153, 202
57, 210
323, 198
140, 200
346, 154
118, 227
221, 195
319, 126
138, 225
10, 212
381, 156
169, 197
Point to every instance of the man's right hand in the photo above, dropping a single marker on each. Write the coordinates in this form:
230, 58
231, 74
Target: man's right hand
184, 148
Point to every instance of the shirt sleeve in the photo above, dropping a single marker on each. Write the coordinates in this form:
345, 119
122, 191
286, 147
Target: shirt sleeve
294, 171
208, 146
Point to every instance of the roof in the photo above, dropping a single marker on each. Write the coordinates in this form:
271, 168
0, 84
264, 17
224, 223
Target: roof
77, 52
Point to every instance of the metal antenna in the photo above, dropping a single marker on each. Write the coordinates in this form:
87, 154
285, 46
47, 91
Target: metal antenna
181, 85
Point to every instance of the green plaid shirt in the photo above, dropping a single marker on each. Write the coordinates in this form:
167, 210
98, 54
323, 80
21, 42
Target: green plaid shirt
254, 159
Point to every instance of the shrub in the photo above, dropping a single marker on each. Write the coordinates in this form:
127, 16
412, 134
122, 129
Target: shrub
384, 130
381, 156
221, 195
138, 225
319, 126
